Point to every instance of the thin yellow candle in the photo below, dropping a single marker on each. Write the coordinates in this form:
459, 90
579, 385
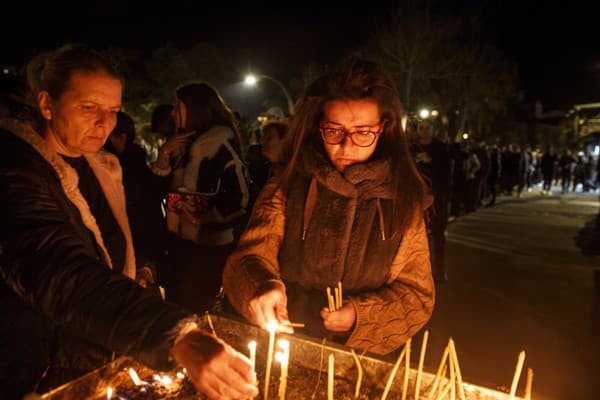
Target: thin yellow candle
340, 290
452, 379
210, 324
360, 374
406, 368
441, 387
338, 303
437, 378
284, 358
271, 327
421, 362
459, 381
529, 384
330, 300
517, 375
388, 385
330, 372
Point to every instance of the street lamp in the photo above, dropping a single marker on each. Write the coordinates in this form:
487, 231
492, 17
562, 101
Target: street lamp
252, 80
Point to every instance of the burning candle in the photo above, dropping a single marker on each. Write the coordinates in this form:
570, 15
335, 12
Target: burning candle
135, 377
252, 348
330, 371
284, 360
109, 392
271, 327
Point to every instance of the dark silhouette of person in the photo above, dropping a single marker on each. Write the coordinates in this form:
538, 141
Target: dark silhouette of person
432, 156
547, 165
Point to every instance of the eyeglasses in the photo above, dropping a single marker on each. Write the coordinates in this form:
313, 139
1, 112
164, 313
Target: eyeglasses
360, 138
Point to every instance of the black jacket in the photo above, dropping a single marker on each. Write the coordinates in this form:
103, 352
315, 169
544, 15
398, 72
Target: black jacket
61, 306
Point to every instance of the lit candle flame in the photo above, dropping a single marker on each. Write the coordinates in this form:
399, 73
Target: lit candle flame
109, 392
166, 380
135, 377
252, 348
272, 326
180, 375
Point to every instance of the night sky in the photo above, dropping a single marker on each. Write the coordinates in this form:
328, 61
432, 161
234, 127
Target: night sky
555, 47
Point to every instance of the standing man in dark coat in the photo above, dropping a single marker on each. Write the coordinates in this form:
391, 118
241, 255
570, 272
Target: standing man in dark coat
433, 159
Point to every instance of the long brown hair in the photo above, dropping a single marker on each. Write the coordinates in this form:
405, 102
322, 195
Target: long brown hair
357, 78
205, 109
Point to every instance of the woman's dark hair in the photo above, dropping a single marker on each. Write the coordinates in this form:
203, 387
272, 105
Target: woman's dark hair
126, 125
357, 78
205, 108
162, 120
52, 71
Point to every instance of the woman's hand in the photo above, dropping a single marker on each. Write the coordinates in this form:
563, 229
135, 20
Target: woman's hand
176, 142
214, 367
341, 320
270, 304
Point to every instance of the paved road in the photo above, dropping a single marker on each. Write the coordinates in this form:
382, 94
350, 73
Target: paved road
522, 278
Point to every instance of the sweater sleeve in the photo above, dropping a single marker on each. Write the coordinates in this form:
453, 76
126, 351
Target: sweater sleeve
254, 262
387, 317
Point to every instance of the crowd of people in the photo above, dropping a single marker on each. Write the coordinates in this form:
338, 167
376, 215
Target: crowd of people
469, 174
110, 248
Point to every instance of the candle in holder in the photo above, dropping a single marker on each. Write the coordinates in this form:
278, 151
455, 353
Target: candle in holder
271, 327
330, 371
283, 358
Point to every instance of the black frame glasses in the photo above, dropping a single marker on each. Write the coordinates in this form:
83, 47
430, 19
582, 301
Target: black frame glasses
360, 138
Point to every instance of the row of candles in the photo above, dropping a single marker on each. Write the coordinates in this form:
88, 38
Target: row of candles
449, 362
283, 358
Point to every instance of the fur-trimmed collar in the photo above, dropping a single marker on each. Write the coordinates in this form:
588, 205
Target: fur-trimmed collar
107, 169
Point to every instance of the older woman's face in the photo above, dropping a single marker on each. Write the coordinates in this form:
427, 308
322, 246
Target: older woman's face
82, 118
351, 116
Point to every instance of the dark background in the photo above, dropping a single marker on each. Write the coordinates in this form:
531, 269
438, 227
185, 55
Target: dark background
555, 47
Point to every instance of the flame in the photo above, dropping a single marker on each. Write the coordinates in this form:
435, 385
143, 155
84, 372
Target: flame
272, 326
180, 375
109, 392
166, 380
135, 377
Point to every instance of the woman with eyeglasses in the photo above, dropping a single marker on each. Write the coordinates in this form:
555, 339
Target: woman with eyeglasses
347, 208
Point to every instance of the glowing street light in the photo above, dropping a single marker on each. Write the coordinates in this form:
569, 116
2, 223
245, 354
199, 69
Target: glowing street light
252, 80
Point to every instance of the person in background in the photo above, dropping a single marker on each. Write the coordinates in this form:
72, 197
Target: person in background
266, 157
495, 174
68, 293
566, 163
348, 207
433, 159
202, 159
142, 194
548, 167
